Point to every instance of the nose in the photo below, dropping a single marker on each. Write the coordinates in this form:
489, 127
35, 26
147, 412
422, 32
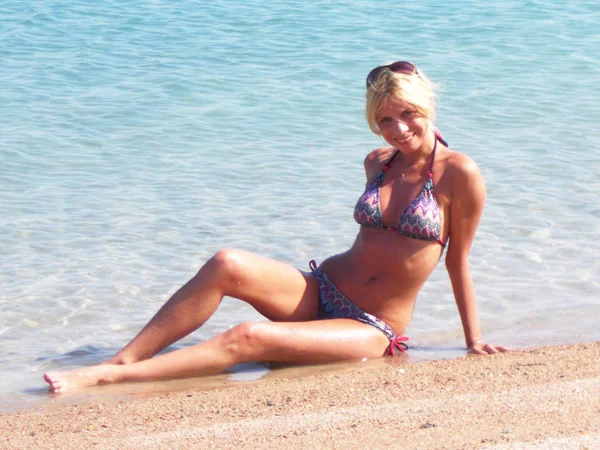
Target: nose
401, 127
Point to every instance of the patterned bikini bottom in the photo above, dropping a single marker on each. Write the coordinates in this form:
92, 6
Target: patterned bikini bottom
333, 304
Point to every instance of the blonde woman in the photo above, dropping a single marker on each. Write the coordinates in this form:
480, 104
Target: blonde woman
420, 198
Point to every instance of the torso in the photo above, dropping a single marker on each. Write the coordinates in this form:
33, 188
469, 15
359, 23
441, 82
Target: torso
383, 271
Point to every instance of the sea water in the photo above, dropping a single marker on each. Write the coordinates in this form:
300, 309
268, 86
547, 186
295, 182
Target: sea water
138, 138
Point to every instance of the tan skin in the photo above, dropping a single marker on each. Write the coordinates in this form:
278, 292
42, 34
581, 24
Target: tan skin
382, 272
370, 270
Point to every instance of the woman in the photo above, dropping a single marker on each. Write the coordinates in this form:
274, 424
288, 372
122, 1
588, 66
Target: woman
419, 196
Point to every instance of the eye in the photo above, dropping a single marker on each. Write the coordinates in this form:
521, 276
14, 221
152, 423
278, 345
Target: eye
407, 114
383, 120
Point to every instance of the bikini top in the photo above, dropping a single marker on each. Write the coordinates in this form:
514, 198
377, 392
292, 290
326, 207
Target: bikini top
420, 220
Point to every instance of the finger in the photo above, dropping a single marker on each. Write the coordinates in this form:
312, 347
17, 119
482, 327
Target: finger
490, 349
503, 349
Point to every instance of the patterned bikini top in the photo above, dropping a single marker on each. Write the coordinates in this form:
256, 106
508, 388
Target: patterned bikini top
420, 220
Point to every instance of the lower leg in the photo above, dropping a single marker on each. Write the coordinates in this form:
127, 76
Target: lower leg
276, 290
291, 343
189, 308
206, 358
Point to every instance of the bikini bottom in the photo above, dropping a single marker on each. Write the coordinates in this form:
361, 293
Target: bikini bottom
333, 304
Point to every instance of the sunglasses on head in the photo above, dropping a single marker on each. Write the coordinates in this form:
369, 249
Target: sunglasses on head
404, 67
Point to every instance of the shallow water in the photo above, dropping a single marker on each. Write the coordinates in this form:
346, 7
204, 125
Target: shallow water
138, 138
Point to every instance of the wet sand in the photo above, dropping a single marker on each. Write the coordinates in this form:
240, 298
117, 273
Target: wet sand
535, 399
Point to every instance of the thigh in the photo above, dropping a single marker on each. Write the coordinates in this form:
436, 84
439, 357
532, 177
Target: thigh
315, 342
276, 290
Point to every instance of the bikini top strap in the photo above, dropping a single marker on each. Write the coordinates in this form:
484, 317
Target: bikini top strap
430, 171
439, 136
387, 165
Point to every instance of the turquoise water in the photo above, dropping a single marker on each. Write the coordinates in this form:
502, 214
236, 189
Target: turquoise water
138, 138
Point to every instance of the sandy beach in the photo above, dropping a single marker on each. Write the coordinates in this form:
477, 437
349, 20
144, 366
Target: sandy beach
535, 399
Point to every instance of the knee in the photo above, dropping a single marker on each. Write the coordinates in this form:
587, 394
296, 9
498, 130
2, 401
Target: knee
243, 341
228, 265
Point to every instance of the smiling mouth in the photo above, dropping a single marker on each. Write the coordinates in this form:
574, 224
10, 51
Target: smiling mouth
405, 140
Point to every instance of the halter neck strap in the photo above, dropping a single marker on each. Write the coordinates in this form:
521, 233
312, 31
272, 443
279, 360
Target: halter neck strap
430, 171
387, 165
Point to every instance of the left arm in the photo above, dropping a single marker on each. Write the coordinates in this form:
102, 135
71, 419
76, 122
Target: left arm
466, 207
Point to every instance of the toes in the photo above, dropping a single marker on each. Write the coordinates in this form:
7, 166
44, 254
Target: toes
54, 384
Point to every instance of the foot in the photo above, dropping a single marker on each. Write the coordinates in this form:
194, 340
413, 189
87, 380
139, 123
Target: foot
60, 382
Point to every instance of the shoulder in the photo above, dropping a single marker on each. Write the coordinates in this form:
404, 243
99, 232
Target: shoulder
463, 172
378, 157
466, 184
461, 165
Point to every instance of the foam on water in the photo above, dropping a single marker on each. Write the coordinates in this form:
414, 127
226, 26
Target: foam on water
138, 138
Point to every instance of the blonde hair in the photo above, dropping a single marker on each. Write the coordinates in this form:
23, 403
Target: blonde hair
416, 89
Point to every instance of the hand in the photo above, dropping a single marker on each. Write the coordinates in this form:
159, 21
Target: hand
486, 349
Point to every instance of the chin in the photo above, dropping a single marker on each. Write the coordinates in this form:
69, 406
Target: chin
412, 147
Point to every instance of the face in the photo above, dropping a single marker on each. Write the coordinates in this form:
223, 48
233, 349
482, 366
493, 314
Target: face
401, 125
